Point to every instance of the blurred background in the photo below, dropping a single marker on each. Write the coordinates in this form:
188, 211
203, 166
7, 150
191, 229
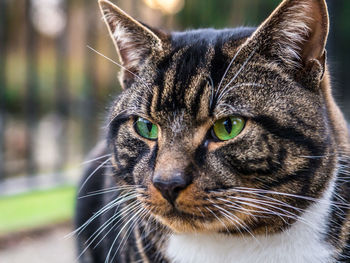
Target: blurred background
55, 91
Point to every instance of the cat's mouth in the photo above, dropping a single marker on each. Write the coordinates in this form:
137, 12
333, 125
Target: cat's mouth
173, 211
177, 214
183, 222
192, 212
186, 214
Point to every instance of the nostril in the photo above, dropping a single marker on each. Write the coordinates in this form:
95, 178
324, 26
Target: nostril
170, 187
178, 189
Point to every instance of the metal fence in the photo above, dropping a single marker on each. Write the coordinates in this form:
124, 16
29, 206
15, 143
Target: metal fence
54, 90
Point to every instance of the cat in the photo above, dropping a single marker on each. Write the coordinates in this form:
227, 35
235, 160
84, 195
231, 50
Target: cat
224, 146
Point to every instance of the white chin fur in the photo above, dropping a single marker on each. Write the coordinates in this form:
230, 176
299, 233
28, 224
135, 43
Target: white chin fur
301, 243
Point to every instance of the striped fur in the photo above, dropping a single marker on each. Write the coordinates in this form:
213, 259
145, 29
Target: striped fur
278, 192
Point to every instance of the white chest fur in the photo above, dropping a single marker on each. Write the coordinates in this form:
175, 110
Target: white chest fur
302, 243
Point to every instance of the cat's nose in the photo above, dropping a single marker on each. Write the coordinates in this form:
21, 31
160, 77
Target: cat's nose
171, 186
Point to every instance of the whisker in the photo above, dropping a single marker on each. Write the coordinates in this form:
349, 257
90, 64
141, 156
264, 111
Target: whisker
115, 117
200, 212
238, 221
228, 231
128, 211
274, 200
332, 203
116, 238
249, 201
238, 72
88, 178
120, 65
100, 230
105, 208
240, 208
129, 207
211, 91
228, 68
95, 159
107, 190
128, 233
283, 213
238, 86
232, 220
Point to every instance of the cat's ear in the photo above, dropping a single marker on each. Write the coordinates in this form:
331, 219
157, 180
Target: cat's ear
295, 34
134, 42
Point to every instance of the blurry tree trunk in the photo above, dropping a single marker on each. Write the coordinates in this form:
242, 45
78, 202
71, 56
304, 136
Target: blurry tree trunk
62, 95
32, 101
3, 20
89, 104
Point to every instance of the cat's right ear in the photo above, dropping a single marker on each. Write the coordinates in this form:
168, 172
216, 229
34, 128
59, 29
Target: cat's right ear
295, 35
134, 42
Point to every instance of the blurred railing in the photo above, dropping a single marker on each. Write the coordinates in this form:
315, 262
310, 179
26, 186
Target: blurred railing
54, 90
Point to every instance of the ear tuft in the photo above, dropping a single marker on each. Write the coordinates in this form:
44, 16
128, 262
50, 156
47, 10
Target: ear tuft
134, 42
292, 32
295, 33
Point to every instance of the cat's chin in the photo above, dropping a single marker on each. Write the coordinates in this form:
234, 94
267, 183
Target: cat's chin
181, 223
181, 226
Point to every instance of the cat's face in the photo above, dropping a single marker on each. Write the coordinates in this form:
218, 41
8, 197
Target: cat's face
220, 130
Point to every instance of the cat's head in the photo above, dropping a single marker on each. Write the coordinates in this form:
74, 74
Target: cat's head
224, 130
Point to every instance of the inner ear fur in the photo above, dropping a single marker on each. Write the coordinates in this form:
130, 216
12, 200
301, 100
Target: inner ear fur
295, 33
133, 41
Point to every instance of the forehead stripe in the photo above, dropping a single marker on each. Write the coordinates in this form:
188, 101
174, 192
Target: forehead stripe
163, 67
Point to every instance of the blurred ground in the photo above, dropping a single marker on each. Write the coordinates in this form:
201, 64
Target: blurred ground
43, 246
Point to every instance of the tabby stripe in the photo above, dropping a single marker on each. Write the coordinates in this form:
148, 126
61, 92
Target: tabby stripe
345, 253
163, 67
152, 159
197, 98
291, 134
149, 248
114, 128
219, 64
105, 245
153, 98
201, 153
241, 166
127, 171
140, 247
133, 257
174, 96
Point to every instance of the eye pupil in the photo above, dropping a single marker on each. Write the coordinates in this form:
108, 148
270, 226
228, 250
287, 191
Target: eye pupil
149, 126
228, 125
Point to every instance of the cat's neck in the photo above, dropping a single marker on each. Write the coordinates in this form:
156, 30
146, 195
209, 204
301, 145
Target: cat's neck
302, 242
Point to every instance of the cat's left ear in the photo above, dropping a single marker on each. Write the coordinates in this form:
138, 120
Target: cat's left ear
295, 34
134, 42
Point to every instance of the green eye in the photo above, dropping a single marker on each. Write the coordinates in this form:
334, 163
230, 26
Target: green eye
228, 128
146, 128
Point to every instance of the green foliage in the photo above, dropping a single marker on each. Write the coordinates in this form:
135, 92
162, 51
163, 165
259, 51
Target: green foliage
224, 13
